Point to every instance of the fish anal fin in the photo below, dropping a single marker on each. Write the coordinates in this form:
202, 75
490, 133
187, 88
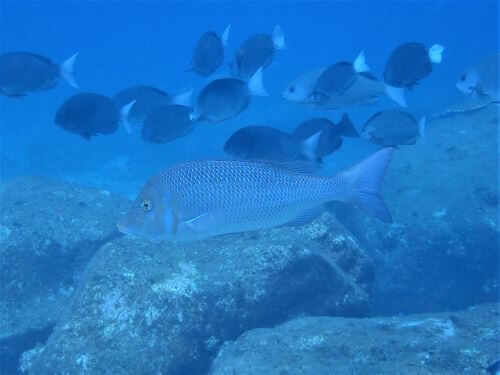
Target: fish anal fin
307, 216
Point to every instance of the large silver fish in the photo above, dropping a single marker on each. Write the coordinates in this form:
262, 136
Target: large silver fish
201, 199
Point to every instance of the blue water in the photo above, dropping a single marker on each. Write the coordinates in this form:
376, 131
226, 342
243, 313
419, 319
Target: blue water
127, 43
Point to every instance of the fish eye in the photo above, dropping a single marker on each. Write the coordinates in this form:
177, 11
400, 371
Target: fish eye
146, 205
462, 77
291, 88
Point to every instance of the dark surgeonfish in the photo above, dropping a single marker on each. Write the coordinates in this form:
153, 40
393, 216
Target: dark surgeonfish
331, 134
266, 143
25, 72
393, 128
208, 53
482, 80
225, 98
89, 114
167, 123
411, 62
200, 199
147, 99
338, 78
365, 90
256, 52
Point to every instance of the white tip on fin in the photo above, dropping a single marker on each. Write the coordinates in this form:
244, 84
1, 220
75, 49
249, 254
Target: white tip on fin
278, 38
182, 98
397, 94
124, 111
255, 84
194, 115
421, 127
67, 71
225, 35
360, 65
310, 146
436, 53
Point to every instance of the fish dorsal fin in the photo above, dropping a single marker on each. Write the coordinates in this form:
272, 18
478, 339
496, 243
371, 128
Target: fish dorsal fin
292, 166
307, 216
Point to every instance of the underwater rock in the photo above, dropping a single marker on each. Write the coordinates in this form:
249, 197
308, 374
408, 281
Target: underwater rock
158, 307
446, 343
441, 252
466, 106
48, 232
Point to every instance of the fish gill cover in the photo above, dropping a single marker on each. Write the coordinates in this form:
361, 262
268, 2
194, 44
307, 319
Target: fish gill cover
263, 161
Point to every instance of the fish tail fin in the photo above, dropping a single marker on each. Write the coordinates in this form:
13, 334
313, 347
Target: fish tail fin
397, 94
421, 128
66, 70
363, 182
183, 97
124, 112
278, 38
225, 35
310, 146
255, 84
436, 53
346, 127
360, 64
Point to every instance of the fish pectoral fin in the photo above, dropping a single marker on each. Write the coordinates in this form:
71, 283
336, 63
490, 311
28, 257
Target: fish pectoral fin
197, 223
307, 216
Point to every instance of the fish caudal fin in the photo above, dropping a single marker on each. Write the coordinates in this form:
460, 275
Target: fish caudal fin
436, 53
397, 94
421, 127
363, 184
182, 98
278, 38
346, 127
124, 111
66, 70
225, 35
310, 146
255, 84
360, 64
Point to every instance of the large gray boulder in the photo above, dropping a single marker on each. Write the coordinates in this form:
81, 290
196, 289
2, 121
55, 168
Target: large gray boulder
48, 233
446, 343
441, 252
151, 307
